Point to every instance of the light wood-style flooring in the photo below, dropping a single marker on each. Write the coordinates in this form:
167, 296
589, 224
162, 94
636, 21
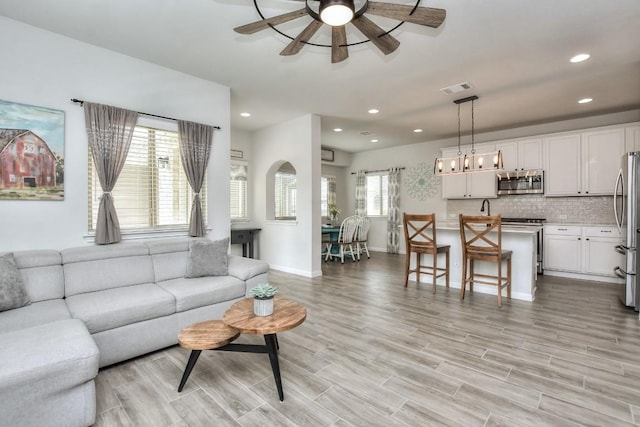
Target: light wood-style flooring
372, 353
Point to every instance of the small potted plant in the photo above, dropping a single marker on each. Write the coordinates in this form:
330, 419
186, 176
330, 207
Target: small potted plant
263, 299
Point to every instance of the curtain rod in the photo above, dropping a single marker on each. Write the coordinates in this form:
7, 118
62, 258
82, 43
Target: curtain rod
81, 102
379, 170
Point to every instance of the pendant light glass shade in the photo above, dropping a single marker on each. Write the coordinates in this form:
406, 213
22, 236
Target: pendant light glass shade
336, 12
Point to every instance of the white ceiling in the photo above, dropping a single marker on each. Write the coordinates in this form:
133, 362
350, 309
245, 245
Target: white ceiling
515, 54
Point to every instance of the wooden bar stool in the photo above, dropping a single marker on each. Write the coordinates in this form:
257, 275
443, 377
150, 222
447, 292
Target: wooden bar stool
479, 245
420, 238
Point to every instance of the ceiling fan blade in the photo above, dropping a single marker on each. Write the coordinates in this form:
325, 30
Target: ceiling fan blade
385, 42
298, 43
339, 50
275, 20
428, 16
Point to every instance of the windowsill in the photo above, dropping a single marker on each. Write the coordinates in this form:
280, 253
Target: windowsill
286, 222
146, 234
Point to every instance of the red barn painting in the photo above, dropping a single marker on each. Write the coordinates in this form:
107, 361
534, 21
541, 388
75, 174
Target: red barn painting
26, 161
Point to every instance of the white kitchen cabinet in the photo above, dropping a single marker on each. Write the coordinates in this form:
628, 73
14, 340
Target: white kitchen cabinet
583, 164
600, 256
633, 138
562, 248
477, 185
562, 165
601, 152
588, 250
523, 154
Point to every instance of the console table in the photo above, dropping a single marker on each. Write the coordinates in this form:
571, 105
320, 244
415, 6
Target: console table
246, 238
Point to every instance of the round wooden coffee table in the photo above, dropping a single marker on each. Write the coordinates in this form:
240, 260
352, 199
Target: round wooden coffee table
286, 315
239, 318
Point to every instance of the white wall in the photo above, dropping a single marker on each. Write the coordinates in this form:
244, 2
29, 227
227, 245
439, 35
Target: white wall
291, 246
47, 70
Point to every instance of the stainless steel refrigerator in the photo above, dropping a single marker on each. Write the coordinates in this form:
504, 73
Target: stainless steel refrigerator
625, 207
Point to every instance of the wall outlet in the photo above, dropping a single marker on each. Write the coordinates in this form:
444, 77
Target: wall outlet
562, 217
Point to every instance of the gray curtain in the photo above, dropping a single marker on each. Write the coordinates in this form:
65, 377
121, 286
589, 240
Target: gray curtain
393, 212
361, 193
195, 147
331, 190
109, 130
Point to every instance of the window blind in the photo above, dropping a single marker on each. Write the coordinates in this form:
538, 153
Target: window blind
152, 190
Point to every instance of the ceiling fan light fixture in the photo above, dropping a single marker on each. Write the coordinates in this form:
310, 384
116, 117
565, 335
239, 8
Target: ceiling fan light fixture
336, 12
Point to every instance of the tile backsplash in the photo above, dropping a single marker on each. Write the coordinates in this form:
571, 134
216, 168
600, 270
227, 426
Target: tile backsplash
584, 210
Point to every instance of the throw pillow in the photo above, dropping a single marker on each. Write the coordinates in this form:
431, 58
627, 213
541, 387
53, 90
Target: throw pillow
207, 258
12, 292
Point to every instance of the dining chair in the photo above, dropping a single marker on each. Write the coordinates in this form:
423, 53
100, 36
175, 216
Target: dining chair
345, 240
420, 239
362, 235
481, 240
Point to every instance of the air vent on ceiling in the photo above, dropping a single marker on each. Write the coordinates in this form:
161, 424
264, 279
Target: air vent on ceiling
456, 88
365, 133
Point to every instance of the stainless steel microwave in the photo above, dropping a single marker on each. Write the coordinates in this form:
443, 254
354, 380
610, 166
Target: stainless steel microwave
521, 182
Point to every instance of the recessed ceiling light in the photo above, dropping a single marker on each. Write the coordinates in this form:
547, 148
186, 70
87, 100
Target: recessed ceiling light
337, 130
374, 111
585, 100
245, 114
580, 57
374, 140
417, 130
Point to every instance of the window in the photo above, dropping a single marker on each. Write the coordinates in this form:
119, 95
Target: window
285, 192
377, 194
152, 191
238, 191
324, 195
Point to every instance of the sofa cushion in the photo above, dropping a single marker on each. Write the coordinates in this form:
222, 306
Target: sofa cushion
41, 271
246, 268
207, 258
97, 268
38, 313
49, 357
112, 308
202, 291
169, 257
12, 293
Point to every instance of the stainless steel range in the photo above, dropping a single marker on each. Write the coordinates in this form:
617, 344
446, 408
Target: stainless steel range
540, 235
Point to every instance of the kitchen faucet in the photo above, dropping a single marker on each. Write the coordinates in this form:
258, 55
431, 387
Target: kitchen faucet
488, 207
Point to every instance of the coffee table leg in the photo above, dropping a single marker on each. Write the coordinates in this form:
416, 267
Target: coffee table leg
272, 349
193, 358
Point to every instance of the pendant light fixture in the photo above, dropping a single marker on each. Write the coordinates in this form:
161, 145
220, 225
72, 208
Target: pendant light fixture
471, 161
336, 12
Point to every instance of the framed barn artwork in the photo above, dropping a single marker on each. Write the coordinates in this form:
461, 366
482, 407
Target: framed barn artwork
31, 152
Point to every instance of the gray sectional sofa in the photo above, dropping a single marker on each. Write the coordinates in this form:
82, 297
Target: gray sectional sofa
94, 306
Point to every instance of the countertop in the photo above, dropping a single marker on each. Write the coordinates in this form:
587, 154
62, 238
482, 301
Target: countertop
523, 229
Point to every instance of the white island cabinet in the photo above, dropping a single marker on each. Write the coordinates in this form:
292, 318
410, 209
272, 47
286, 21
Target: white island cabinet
521, 240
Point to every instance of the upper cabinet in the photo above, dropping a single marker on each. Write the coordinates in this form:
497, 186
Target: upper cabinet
583, 163
601, 155
478, 185
633, 138
562, 165
580, 163
521, 154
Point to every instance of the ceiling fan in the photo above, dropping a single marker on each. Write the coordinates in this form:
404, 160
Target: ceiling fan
339, 13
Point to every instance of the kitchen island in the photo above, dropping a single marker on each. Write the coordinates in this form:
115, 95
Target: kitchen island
522, 240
